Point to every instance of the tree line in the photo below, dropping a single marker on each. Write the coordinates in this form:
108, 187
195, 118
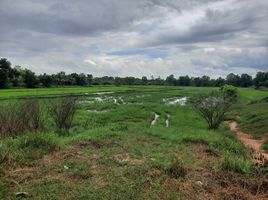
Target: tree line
15, 77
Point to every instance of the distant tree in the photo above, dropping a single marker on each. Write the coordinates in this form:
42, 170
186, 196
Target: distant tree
261, 79
89, 79
29, 79
5, 68
170, 80
15, 76
45, 80
205, 81
219, 82
233, 79
184, 81
129, 80
117, 81
144, 80
60, 78
81, 79
246, 80
196, 81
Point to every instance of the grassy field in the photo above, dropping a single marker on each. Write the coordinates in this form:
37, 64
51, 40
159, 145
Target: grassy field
7, 93
113, 152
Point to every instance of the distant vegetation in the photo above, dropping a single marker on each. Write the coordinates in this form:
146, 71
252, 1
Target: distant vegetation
16, 77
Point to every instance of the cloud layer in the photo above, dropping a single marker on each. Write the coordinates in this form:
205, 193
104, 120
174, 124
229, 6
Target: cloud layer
136, 38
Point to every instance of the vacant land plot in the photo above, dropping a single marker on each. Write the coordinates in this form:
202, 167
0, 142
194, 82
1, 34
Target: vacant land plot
134, 143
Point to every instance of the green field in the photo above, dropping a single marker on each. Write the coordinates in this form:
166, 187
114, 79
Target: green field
7, 93
112, 151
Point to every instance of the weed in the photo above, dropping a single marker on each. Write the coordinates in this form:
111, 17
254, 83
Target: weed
176, 169
232, 162
78, 169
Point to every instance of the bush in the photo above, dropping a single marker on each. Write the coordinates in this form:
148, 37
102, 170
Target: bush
20, 117
230, 92
213, 107
63, 111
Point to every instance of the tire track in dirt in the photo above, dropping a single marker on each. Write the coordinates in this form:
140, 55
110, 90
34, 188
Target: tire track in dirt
260, 156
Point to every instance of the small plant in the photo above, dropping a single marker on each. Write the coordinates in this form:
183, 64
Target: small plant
63, 112
265, 145
176, 169
213, 107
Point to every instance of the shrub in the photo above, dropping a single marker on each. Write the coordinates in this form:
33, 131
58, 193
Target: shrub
213, 107
230, 92
63, 111
20, 116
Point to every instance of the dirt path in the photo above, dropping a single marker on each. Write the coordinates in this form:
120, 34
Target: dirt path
249, 142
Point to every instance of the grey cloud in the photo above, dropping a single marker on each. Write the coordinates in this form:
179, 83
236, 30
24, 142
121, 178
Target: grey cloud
54, 35
217, 26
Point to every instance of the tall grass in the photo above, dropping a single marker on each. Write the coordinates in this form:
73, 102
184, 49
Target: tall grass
19, 117
62, 112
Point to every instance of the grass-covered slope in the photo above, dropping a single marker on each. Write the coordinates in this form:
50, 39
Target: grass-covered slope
117, 154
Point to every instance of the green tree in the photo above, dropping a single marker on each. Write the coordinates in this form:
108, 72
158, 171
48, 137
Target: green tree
246, 80
170, 80
5, 68
29, 79
261, 79
233, 79
45, 80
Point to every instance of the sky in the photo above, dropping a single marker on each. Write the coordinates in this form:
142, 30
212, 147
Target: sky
136, 37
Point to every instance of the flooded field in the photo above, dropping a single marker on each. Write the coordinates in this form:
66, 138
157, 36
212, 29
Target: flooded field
138, 143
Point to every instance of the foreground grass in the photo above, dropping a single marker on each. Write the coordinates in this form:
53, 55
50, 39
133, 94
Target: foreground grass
117, 155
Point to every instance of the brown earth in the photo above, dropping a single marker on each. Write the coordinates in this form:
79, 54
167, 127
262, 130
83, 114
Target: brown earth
260, 155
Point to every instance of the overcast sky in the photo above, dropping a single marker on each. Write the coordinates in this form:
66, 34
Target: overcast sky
136, 37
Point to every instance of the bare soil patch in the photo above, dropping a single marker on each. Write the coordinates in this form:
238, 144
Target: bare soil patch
260, 156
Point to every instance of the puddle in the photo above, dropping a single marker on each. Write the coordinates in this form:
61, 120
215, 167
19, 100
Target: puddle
101, 93
144, 95
167, 120
156, 116
98, 111
176, 101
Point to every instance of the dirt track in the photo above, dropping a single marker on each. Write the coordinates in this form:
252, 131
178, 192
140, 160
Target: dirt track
247, 139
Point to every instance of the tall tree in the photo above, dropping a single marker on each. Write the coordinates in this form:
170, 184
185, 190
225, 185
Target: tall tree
233, 79
45, 80
246, 80
261, 79
5, 68
29, 79
170, 80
